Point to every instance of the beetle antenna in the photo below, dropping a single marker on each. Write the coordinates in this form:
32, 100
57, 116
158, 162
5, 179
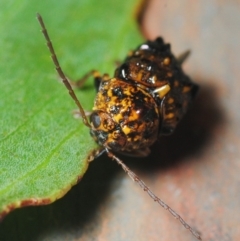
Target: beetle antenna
60, 72
135, 178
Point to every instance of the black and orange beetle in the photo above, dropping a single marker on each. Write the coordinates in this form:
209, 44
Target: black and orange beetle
147, 97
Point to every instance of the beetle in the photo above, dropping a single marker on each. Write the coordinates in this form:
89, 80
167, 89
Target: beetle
147, 97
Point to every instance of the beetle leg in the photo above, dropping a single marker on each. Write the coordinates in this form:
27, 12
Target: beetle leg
80, 82
94, 154
183, 56
98, 78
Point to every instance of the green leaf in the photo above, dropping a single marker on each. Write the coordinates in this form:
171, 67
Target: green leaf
43, 149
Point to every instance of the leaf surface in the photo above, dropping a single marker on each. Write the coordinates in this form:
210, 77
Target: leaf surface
43, 149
